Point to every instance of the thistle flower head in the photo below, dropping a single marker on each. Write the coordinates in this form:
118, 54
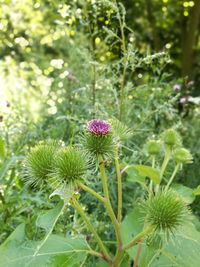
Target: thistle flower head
98, 127
183, 156
153, 147
166, 211
69, 166
98, 140
38, 163
171, 138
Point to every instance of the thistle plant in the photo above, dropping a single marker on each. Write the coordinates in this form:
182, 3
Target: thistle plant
163, 210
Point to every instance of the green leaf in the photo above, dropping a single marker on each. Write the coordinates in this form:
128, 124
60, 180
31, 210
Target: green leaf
196, 192
58, 251
47, 220
182, 250
7, 165
133, 176
185, 192
2, 149
65, 192
146, 171
52, 251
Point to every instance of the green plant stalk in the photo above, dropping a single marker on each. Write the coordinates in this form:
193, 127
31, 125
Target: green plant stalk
151, 182
139, 237
125, 64
92, 192
164, 164
119, 187
110, 210
49, 232
138, 253
79, 209
173, 175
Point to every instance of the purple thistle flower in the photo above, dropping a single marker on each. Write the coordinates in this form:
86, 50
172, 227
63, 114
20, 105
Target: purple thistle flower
184, 100
98, 127
177, 87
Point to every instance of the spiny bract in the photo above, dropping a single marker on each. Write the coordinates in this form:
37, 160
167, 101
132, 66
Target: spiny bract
182, 155
166, 211
38, 163
70, 165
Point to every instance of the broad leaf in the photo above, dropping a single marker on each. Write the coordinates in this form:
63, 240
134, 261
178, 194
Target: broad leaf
183, 250
52, 251
185, 193
144, 171
57, 251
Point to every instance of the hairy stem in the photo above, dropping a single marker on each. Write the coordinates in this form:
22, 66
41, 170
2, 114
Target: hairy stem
81, 212
92, 192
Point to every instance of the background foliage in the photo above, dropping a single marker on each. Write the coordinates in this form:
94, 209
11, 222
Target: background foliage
64, 62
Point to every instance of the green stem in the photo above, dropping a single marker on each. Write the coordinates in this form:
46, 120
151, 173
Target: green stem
109, 208
92, 192
164, 164
119, 186
79, 209
49, 232
173, 175
139, 237
151, 182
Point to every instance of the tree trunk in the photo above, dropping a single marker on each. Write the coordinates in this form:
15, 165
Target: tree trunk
189, 40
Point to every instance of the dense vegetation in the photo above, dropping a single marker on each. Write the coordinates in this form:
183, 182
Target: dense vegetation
133, 64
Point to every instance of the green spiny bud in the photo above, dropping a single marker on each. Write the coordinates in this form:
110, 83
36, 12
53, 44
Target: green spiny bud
183, 156
166, 211
69, 166
38, 163
120, 130
171, 138
153, 147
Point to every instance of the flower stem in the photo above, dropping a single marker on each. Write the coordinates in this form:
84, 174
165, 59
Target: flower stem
139, 237
164, 164
92, 192
119, 186
151, 182
110, 209
79, 209
173, 175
